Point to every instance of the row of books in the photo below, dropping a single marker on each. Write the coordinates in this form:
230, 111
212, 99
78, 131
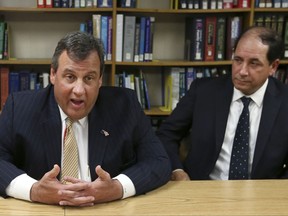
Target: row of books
282, 74
177, 81
13, 81
3, 38
211, 38
279, 23
211, 4
134, 38
136, 82
73, 3
101, 27
271, 3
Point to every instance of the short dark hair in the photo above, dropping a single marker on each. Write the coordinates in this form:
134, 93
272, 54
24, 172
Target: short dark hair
268, 37
78, 46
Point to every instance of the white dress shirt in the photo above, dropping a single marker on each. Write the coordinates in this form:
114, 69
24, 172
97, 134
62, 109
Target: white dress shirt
221, 169
20, 186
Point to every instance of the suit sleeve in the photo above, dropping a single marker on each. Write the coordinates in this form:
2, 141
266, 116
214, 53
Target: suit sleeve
152, 168
175, 127
8, 171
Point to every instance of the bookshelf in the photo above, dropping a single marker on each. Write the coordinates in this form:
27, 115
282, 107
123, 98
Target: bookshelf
35, 32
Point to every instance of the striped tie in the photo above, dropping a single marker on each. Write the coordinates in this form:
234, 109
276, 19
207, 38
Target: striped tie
70, 156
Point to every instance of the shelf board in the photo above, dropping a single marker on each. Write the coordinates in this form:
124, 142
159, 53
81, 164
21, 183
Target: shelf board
32, 62
161, 63
274, 10
49, 10
156, 111
181, 11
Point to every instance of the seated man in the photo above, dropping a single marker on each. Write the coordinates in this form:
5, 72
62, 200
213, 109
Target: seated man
115, 153
210, 110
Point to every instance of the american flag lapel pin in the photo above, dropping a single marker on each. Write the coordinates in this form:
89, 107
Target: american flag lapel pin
104, 132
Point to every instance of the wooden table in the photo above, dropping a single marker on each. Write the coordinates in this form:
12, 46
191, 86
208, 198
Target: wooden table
252, 197
20, 208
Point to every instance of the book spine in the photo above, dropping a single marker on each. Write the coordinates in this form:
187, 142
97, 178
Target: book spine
104, 34
147, 39
41, 4
129, 37
2, 38
4, 79
210, 38
119, 37
285, 39
137, 40
142, 38
109, 45
220, 38
199, 39
49, 4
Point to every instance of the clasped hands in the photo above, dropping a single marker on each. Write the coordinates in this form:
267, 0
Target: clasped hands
50, 190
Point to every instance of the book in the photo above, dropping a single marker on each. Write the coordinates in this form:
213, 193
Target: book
4, 80
57, 4
41, 4
182, 4
219, 4
119, 37
285, 37
194, 38
212, 4
142, 38
210, 38
129, 38
14, 82
152, 26
109, 39
137, 40
96, 23
227, 4
33, 80
2, 38
104, 3
234, 29
147, 39
127, 3
49, 4
82, 3
24, 80
220, 38
104, 34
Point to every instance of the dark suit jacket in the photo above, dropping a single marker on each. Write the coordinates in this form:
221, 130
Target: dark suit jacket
30, 138
204, 112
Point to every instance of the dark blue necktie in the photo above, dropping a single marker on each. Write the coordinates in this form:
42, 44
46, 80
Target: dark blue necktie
240, 152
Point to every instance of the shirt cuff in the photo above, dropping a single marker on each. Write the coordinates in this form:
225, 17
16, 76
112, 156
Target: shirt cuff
20, 187
127, 185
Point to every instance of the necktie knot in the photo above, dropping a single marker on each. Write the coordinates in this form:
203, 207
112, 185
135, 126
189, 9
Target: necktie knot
69, 122
246, 101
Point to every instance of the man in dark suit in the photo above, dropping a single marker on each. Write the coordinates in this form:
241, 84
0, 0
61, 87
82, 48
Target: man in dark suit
119, 154
210, 110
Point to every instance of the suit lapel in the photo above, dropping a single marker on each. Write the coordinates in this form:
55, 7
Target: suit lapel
99, 136
271, 105
222, 111
51, 131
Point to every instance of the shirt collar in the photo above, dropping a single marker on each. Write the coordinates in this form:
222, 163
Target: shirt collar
64, 116
257, 96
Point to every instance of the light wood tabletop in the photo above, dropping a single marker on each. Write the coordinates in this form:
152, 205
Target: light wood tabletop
16, 207
250, 197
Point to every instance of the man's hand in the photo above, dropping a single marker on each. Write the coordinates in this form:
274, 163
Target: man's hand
49, 190
103, 189
179, 175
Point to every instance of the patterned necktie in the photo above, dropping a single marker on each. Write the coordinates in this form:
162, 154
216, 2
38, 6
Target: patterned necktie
240, 151
70, 156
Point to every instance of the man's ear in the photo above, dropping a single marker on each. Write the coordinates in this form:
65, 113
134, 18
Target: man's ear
274, 66
52, 75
